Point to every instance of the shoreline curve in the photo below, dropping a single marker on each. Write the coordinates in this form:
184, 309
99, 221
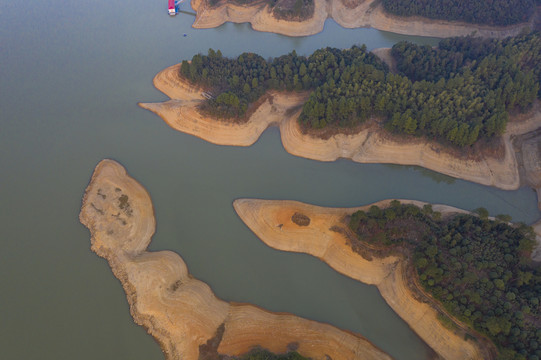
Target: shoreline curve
367, 146
179, 311
271, 221
369, 13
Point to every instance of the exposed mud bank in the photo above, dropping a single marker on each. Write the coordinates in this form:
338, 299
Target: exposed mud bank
325, 237
179, 311
368, 13
367, 146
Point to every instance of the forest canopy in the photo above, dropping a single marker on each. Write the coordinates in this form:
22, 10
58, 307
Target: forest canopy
493, 12
479, 269
456, 93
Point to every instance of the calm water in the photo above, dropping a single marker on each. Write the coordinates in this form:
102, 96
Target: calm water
70, 76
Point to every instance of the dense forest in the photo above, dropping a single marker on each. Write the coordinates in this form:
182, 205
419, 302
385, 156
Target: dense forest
479, 269
493, 12
482, 80
457, 93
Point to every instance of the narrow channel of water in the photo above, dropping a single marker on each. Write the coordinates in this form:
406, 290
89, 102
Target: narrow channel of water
70, 78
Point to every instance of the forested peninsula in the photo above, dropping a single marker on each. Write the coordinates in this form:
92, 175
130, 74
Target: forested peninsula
457, 93
465, 283
181, 312
438, 18
442, 108
479, 269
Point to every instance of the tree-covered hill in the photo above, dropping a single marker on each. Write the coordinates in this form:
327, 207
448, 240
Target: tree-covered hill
458, 93
489, 12
479, 269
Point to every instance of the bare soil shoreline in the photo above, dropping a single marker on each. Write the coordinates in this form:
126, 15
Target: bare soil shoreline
519, 166
366, 146
368, 13
179, 311
273, 222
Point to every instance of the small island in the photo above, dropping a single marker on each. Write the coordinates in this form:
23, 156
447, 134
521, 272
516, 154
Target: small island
437, 18
464, 283
181, 312
468, 108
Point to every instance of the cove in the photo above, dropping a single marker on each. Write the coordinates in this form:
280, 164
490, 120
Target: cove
71, 76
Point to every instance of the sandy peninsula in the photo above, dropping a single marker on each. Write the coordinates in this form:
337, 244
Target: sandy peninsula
368, 13
326, 237
179, 311
370, 145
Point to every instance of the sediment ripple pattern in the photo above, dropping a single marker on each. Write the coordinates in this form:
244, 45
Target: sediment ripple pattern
179, 311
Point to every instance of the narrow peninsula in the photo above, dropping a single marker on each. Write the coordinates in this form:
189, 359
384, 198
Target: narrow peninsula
181, 312
481, 305
468, 109
410, 17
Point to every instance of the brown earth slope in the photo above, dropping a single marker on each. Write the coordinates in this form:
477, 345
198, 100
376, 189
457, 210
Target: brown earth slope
179, 311
367, 13
370, 145
325, 237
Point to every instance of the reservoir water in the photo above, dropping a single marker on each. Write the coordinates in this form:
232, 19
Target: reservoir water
71, 74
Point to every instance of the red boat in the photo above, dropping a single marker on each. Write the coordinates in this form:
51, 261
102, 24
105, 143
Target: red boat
172, 8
